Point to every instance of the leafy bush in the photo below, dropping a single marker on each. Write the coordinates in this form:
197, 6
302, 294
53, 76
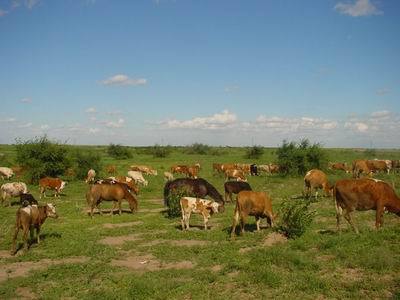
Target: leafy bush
254, 152
160, 151
298, 158
42, 157
173, 203
294, 218
84, 161
118, 151
197, 148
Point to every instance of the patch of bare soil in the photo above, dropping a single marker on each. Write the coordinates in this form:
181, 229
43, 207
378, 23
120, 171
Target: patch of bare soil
189, 243
349, 274
156, 201
22, 269
25, 293
326, 257
5, 254
153, 243
146, 263
119, 240
274, 238
216, 268
119, 225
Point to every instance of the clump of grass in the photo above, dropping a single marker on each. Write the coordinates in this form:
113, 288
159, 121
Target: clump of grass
160, 151
294, 218
173, 203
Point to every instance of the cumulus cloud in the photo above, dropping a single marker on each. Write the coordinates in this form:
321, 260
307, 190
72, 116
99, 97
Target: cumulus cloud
26, 125
121, 79
356, 126
115, 124
383, 114
358, 8
8, 120
222, 120
44, 127
292, 124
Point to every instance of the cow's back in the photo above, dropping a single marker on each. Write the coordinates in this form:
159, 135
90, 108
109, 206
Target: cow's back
50, 182
251, 203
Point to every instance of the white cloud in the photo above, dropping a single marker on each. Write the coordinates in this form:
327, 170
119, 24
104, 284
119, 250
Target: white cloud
358, 9
26, 125
232, 89
383, 114
8, 120
282, 125
94, 130
25, 100
121, 79
216, 121
117, 124
91, 110
356, 126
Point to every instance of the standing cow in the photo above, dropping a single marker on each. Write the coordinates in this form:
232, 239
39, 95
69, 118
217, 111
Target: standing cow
12, 189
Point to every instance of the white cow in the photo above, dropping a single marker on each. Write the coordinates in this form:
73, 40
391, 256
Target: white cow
6, 172
91, 174
12, 189
191, 205
137, 177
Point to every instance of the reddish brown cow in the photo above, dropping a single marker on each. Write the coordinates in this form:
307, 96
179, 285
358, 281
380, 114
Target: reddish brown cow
111, 169
377, 166
364, 194
316, 179
50, 183
360, 167
238, 175
249, 203
339, 166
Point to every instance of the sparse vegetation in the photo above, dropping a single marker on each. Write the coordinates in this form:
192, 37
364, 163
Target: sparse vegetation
118, 151
160, 151
197, 148
85, 160
254, 152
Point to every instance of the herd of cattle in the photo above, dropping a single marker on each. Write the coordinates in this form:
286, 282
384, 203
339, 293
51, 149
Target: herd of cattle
362, 192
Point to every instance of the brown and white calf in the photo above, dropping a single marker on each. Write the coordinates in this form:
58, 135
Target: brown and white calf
249, 203
12, 189
316, 179
204, 207
364, 194
50, 183
29, 218
237, 175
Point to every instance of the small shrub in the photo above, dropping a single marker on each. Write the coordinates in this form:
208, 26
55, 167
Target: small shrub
254, 152
173, 203
118, 151
197, 148
42, 157
160, 151
85, 160
294, 218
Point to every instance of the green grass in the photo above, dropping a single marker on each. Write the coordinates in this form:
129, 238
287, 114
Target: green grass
321, 263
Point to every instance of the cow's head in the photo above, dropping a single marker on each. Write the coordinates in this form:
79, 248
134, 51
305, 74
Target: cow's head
51, 210
215, 207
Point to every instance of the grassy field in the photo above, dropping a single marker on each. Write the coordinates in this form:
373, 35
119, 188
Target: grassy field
146, 255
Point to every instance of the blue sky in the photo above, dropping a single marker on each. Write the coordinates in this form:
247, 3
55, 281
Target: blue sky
217, 72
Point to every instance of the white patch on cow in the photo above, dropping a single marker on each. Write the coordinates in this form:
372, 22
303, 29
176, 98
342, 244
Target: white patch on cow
51, 210
309, 173
27, 210
63, 183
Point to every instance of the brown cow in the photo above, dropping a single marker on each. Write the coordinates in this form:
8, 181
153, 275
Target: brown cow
50, 183
339, 166
111, 169
249, 203
128, 181
238, 175
377, 166
364, 194
316, 179
115, 192
360, 167
30, 217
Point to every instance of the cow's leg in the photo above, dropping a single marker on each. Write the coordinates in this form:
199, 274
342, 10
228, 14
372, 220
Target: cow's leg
270, 219
119, 207
13, 250
25, 237
339, 212
379, 216
347, 216
258, 220
112, 208
205, 221
188, 219
242, 222
235, 222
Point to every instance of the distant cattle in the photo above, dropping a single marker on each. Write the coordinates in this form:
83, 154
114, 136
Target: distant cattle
360, 167
6, 173
376, 166
396, 165
249, 203
132, 186
235, 187
12, 189
137, 177
204, 207
91, 174
29, 218
364, 194
50, 183
339, 166
168, 176
27, 199
316, 179
143, 169
238, 175
253, 170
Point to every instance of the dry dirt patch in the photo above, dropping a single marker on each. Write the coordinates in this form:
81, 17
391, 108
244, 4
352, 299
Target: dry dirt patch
189, 243
22, 269
146, 263
274, 238
349, 274
119, 225
119, 240
25, 293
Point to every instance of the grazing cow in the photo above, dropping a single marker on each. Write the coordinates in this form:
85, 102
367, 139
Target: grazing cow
50, 183
168, 176
377, 166
137, 177
30, 217
199, 206
249, 203
364, 194
6, 172
360, 167
115, 192
339, 166
182, 169
235, 174
274, 168
216, 168
12, 189
225, 167
126, 180
245, 168
234, 187
316, 179
111, 169
143, 169
396, 165
253, 170
263, 168
193, 171
91, 174
26, 199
